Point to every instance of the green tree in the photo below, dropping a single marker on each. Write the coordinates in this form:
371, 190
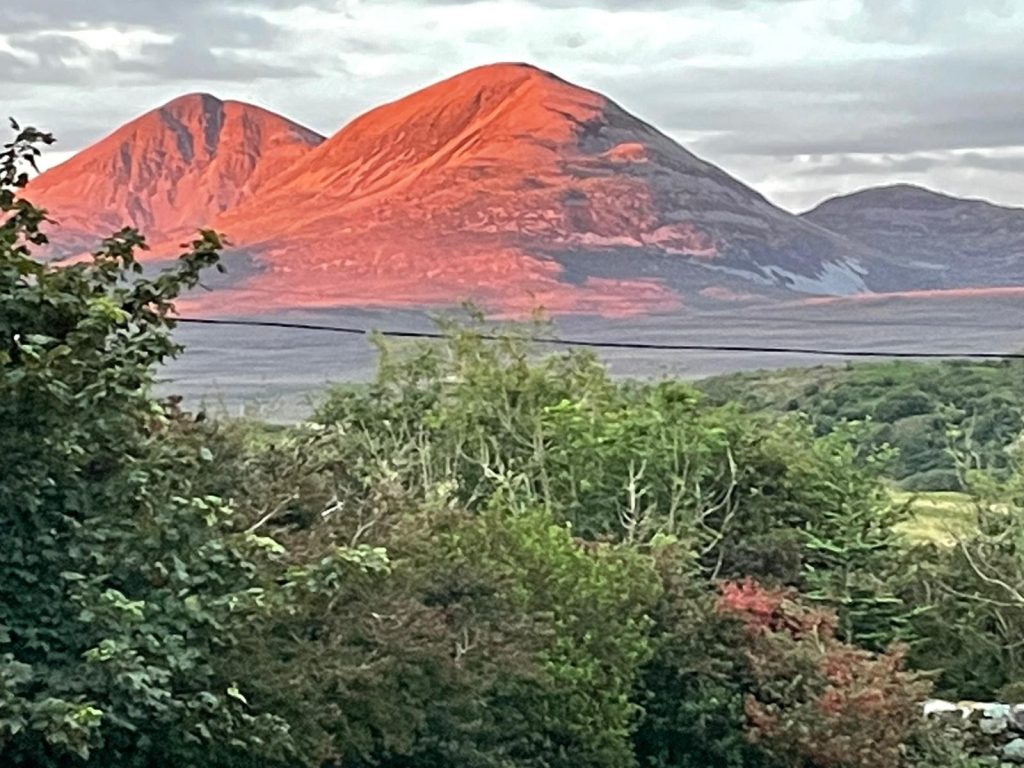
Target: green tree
693, 690
905, 405
974, 594
124, 591
754, 496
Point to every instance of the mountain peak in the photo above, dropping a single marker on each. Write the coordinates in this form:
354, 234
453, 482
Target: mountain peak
508, 73
949, 241
899, 195
505, 70
511, 185
519, 100
197, 98
168, 171
499, 116
190, 106
504, 184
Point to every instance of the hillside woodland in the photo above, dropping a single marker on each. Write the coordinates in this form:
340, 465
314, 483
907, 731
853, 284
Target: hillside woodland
939, 419
484, 559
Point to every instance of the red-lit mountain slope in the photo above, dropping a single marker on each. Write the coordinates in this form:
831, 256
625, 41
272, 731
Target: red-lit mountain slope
510, 186
169, 171
504, 185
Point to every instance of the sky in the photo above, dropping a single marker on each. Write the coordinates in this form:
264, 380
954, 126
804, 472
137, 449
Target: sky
802, 99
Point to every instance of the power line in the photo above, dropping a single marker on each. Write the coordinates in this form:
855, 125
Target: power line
760, 317
594, 344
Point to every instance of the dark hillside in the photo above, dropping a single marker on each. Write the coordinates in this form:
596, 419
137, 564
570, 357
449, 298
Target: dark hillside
911, 406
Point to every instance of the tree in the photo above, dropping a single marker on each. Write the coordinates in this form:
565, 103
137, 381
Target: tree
496, 639
755, 496
974, 593
693, 690
816, 701
123, 592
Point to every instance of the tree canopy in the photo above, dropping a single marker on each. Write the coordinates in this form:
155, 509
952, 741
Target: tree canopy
484, 558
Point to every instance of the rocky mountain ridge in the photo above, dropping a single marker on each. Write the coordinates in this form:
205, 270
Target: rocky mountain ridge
169, 171
504, 185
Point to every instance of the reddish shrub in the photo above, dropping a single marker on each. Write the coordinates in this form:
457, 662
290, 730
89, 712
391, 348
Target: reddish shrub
817, 701
762, 609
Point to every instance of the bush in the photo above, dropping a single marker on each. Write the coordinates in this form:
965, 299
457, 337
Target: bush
816, 701
693, 690
932, 481
901, 404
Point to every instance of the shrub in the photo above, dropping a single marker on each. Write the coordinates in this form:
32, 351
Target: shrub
933, 480
816, 701
123, 590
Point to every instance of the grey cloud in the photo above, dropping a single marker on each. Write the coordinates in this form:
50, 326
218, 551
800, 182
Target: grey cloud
27, 71
47, 59
914, 21
885, 165
638, 5
186, 58
49, 47
240, 30
210, 30
169, 16
366, 47
60, 59
209, 40
933, 102
986, 162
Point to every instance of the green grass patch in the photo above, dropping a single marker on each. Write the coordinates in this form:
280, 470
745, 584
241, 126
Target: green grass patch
939, 517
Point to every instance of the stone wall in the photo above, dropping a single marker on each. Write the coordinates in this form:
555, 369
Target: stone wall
992, 732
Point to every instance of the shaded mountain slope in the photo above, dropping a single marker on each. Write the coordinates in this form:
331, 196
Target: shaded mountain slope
946, 242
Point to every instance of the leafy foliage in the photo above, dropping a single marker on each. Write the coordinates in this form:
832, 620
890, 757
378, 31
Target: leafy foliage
694, 687
627, 461
911, 407
815, 700
484, 558
974, 591
122, 589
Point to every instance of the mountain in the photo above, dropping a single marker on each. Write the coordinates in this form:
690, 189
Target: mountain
514, 187
505, 185
947, 242
169, 171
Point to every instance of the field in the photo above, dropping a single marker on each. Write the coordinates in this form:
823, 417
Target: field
939, 517
280, 369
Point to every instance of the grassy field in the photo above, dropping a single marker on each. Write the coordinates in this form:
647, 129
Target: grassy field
939, 517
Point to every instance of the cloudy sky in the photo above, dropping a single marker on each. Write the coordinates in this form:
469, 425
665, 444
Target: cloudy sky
801, 98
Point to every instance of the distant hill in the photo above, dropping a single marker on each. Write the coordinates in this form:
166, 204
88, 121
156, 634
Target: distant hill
946, 242
910, 407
